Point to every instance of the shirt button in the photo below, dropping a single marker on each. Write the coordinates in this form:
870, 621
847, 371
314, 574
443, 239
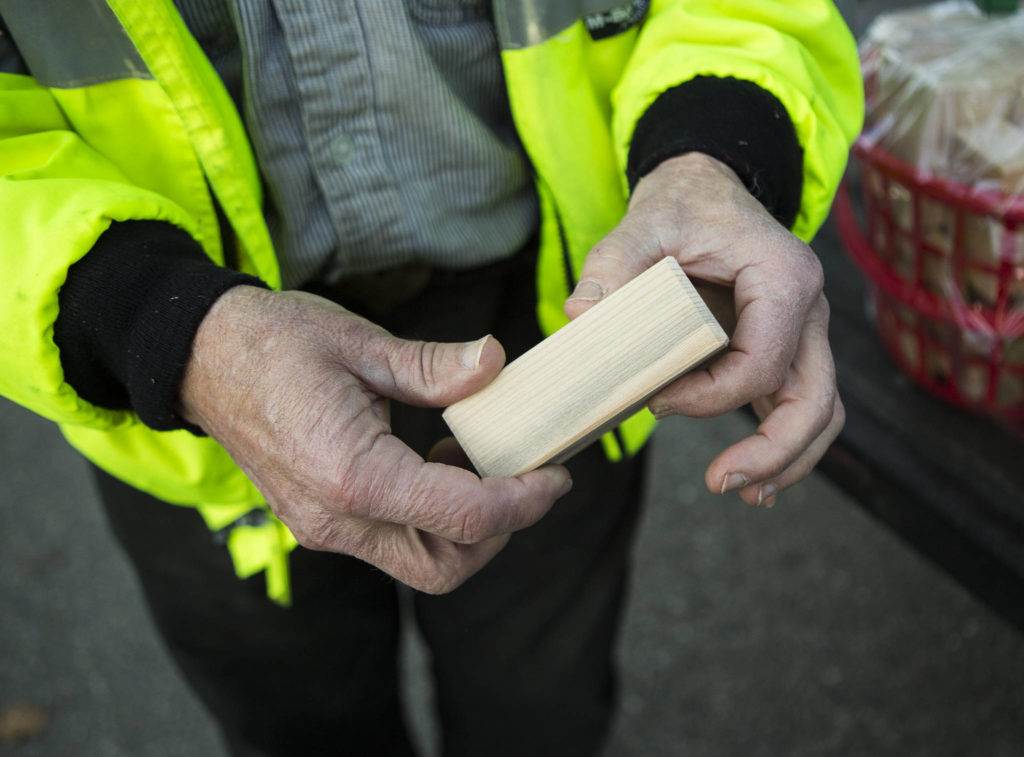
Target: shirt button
343, 148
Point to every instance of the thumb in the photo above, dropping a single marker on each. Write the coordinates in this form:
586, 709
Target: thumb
621, 256
433, 374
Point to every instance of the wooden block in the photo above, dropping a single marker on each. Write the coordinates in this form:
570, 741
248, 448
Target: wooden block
588, 376
993, 151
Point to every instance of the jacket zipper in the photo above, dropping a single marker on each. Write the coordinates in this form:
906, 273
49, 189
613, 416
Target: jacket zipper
570, 278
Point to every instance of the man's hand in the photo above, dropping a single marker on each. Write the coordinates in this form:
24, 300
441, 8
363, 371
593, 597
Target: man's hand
295, 389
697, 210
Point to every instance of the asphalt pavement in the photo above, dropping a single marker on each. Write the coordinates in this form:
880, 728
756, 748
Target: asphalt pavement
806, 629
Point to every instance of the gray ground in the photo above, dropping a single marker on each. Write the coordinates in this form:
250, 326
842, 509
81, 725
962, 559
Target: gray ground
803, 630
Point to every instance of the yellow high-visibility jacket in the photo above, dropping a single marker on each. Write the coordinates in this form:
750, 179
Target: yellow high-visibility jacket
124, 118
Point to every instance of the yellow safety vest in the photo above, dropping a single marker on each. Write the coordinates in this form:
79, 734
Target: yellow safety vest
124, 118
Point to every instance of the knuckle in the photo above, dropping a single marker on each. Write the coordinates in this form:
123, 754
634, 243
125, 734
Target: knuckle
415, 362
442, 583
624, 246
839, 415
474, 526
608, 252
814, 276
350, 494
826, 408
804, 272
426, 371
773, 378
438, 576
361, 485
306, 539
824, 310
317, 532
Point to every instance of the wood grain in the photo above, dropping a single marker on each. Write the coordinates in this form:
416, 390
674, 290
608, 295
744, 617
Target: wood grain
588, 376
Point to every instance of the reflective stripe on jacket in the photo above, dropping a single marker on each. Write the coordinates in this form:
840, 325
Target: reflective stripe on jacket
124, 118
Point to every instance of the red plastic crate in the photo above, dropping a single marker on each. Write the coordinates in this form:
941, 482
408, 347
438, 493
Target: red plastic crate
946, 261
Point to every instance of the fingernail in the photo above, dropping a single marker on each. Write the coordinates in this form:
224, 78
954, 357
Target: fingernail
471, 353
661, 412
588, 290
566, 483
734, 481
766, 494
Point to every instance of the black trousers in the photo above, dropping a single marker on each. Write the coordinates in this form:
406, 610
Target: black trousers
522, 652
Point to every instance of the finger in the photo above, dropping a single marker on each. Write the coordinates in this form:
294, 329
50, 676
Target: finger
766, 491
760, 353
763, 407
721, 301
426, 562
625, 253
432, 374
396, 485
805, 406
449, 452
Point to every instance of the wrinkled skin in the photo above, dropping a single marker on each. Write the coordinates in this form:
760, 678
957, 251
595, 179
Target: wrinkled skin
698, 211
294, 387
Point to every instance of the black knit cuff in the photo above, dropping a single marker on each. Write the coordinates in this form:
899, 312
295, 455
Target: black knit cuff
129, 311
734, 121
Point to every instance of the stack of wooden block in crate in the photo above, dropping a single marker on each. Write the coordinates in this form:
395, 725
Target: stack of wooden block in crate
942, 165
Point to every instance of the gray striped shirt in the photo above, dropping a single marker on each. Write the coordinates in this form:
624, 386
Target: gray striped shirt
382, 129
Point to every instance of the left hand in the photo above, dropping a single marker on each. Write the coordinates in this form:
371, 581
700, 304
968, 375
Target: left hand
697, 210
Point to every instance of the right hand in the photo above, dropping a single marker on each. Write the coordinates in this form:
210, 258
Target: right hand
295, 388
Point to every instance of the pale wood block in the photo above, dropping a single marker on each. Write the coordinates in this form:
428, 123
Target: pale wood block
994, 152
588, 376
